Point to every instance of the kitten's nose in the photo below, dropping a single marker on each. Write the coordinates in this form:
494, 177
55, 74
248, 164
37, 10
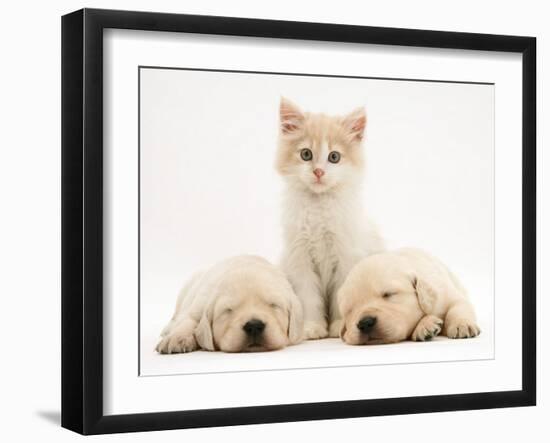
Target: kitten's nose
318, 172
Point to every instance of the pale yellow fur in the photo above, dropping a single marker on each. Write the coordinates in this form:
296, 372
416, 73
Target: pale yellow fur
411, 294
214, 306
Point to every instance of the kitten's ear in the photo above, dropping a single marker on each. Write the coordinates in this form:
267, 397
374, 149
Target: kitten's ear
291, 116
355, 123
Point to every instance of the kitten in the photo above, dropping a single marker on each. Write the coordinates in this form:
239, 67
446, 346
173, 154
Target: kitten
325, 233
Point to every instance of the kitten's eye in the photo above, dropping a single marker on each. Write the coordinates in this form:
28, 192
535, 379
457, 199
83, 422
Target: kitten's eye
388, 294
306, 154
334, 157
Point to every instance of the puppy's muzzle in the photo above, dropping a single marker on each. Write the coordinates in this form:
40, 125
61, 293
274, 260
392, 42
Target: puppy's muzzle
366, 324
254, 328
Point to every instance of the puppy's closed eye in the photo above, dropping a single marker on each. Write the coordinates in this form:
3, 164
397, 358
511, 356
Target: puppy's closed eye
388, 294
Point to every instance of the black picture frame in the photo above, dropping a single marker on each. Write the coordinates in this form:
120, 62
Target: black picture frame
82, 220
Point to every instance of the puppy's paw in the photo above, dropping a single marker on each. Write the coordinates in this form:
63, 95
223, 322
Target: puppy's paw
335, 328
314, 330
462, 328
427, 328
177, 343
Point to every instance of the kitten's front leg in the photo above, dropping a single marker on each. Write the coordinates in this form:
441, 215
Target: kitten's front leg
307, 287
335, 318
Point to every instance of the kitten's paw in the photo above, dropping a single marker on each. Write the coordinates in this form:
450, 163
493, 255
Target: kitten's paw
314, 330
335, 328
177, 343
427, 328
462, 328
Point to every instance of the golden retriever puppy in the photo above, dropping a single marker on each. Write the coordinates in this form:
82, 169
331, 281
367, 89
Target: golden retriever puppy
241, 304
393, 296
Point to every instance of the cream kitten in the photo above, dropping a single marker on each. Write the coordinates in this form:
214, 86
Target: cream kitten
325, 233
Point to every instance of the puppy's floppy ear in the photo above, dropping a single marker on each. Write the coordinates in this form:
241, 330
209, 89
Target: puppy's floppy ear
425, 293
203, 331
295, 320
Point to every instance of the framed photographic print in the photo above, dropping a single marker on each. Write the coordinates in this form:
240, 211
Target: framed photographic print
269, 221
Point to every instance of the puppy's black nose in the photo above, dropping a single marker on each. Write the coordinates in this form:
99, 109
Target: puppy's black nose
366, 324
254, 327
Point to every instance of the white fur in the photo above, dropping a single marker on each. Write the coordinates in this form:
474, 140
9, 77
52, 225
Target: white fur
325, 230
325, 235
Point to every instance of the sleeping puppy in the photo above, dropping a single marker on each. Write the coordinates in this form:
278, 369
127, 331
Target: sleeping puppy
242, 304
394, 296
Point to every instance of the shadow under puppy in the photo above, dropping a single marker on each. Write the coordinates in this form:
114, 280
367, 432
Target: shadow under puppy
241, 304
403, 294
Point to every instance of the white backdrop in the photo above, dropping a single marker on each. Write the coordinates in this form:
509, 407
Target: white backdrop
469, 369
209, 189
30, 233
